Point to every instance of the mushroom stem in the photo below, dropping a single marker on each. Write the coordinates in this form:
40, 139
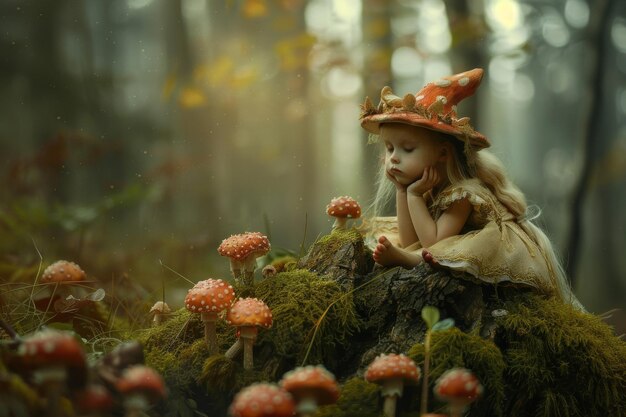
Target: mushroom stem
234, 349
157, 320
340, 223
389, 406
235, 269
135, 405
456, 409
210, 335
248, 334
306, 406
52, 381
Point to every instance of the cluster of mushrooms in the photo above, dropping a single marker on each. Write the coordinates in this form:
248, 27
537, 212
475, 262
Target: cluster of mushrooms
54, 364
301, 391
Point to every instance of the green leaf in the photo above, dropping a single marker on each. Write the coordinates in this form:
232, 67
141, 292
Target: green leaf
430, 315
443, 325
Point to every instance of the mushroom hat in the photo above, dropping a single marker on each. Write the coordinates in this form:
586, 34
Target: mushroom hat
434, 107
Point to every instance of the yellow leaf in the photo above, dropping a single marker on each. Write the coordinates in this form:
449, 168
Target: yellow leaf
191, 97
253, 9
220, 71
168, 86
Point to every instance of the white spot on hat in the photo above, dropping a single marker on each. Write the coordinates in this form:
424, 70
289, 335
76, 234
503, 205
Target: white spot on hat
443, 83
443, 99
463, 81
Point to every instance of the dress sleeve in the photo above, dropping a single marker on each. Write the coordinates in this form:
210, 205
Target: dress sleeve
469, 189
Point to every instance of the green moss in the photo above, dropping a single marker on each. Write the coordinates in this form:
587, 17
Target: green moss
359, 398
453, 348
303, 316
284, 263
561, 362
338, 238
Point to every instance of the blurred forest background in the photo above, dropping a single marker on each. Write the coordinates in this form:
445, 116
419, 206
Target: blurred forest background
136, 134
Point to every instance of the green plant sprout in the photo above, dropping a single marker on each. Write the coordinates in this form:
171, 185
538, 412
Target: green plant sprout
430, 315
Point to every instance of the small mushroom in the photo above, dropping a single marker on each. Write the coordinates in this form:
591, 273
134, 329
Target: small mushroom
56, 358
269, 271
247, 314
63, 271
262, 400
391, 371
141, 387
209, 298
459, 387
110, 367
311, 386
159, 311
243, 249
342, 209
62, 274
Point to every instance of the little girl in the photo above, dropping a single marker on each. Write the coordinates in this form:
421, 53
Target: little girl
455, 206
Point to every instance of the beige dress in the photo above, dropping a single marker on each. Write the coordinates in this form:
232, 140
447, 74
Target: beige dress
492, 246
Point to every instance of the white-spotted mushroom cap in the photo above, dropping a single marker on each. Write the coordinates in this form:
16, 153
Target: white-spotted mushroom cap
458, 385
240, 247
63, 271
160, 307
344, 207
51, 348
311, 380
262, 400
392, 366
140, 379
249, 312
209, 296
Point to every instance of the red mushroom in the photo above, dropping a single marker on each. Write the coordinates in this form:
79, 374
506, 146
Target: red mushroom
209, 298
262, 400
61, 275
342, 209
311, 386
390, 371
458, 387
248, 314
243, 250
140, 386
63, 271
54, 357
159, 311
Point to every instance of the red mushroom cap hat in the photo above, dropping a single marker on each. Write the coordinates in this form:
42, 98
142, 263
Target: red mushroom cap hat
344, 207
312, 379
63, 271
209, 296
144, 380
458, 384
389, 366
250, 312
243, 245
262, 400
433, 107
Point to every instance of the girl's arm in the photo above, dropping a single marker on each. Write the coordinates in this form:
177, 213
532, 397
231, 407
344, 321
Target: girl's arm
406, 231
450, 223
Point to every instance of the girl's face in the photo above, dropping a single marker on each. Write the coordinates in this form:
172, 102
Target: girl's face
409, 150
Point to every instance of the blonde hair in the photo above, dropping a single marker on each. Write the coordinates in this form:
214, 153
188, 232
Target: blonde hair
467, 163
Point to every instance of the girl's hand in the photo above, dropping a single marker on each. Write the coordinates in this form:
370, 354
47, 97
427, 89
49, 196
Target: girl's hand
399, 187
430, 178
